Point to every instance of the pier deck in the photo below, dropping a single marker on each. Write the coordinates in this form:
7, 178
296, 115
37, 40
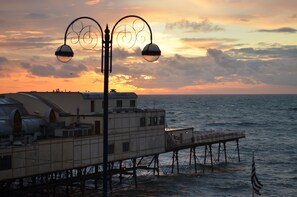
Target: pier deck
176, 140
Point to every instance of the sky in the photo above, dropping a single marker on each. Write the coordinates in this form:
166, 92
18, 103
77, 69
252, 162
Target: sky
208, 46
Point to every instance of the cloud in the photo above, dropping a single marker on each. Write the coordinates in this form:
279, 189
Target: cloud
65, 71
210, 39
205, 43
244, 20
273, 71
121, 53
37, 16
279, 30
3, 60
280, 52
202, 26
271, 64
92, 2
25, 40
215, 68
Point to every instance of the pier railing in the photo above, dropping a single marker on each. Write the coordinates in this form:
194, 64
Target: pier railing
200, 139
216, 137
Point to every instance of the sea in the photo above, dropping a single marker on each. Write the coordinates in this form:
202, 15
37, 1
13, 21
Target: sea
270, 125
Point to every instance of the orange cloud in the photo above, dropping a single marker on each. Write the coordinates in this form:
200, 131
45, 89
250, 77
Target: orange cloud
92, 2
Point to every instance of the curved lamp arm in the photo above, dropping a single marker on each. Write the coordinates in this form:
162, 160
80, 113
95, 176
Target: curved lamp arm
64, 53
151, 52
79, 18
132, 16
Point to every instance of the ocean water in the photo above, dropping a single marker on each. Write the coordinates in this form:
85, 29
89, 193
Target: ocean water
270, 125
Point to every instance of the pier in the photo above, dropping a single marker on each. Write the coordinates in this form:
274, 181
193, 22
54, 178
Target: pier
52, 143
206, 140
82, 179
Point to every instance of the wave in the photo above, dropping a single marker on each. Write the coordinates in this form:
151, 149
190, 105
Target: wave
292, 109
245, 124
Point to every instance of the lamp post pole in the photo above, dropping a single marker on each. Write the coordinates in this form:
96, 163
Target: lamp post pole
105, 111
64, 53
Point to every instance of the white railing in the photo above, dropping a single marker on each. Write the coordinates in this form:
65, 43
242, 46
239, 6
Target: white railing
216, 136
207, 137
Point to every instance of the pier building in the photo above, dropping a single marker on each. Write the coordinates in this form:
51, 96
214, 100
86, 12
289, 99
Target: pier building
49, 139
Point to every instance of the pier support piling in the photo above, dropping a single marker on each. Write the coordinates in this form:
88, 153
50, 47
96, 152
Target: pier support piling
156, 165
96, 180
134, 172
193, 153
175, 159
205, 154
219, 151
237, 143
110, 167
225, 152
195, 159
121, 175
210, 152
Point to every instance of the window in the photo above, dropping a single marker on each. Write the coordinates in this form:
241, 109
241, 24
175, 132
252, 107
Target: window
126, 147
17, 122
132, 103
119, 103
65, 133
153, 120
5, 162
110, 148
142, 121
97, 127
52, 116
162, 120
92, 106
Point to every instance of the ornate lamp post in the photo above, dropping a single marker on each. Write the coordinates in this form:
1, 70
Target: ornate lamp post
88, 36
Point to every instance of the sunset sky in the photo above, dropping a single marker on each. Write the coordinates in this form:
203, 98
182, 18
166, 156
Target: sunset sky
208, 47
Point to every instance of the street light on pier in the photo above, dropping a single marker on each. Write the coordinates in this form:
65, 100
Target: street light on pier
88, 36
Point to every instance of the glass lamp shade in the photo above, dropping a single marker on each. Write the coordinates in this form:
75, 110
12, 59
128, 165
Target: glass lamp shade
64, 53
151, 52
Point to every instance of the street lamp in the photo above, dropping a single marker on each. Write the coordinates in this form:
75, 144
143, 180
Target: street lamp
89, 35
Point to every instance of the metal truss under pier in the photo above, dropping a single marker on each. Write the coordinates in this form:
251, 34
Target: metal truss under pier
80, 181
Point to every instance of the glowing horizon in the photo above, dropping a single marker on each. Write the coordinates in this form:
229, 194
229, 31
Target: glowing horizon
208, 47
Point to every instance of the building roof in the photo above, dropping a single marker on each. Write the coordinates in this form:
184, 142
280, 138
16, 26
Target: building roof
55, 107
86, 95
8, 101
111, 95
7, 105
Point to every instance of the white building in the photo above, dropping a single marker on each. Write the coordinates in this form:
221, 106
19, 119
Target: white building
43, 132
